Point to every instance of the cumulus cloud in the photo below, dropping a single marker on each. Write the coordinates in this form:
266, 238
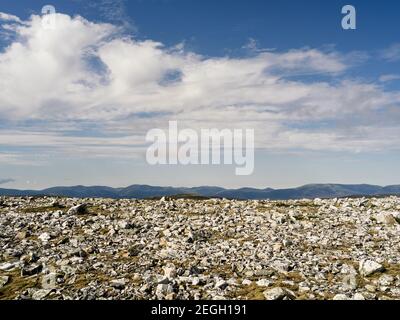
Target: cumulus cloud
87, 87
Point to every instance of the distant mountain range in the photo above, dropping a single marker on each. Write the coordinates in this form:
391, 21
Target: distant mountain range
146, 192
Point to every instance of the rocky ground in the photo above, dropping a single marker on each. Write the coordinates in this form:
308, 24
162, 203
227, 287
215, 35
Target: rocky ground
52, 248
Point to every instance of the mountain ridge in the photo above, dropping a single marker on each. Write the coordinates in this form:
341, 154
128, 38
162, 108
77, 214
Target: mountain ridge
137, 191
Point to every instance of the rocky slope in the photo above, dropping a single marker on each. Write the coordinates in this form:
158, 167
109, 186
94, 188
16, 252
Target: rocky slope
186, 249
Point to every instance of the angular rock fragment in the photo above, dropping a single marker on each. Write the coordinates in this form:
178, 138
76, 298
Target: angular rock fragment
368, 267
79, 209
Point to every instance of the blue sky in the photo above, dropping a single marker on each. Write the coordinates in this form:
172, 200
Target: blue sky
76, 102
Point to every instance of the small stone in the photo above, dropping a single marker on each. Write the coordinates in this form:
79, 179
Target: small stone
274, 294
368, 267
4, 280
44, 237
340, 297
263, 283
247, 282
277, 247
304, 289
163, 280
370, 288
7, 266
350, 282
287, 243
221, 284
170, 296
358, 296
118, 284
396, 215
31, 270
386, 280
385, 218
170, 271
49, 281
162, 290
40, 294
79, 209
21, 235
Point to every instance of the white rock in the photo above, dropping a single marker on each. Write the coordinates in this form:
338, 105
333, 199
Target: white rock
170, 271
4, 280
40, 294
7, 266
44, 237
274, 294
263, 283
385, 218
49, 281
162, 290
340, 297
196, 281
221, 284
358, 296
386, 280
247, 282
79, 209
350, 282
368, 267
118, 283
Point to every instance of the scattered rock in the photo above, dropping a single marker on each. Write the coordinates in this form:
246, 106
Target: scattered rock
49, 281
341, 297
4, 280
40, 294
358, 296
274, 294
368, 267
263, 283
79, 209
118, 284
385, 218
170, 271
163, 289
247, 282
386, 280
221, 284
7, 266
190, 249
44, 237
350, 282
31, 270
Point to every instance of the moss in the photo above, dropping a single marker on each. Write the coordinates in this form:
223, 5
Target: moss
39, 209
17, 285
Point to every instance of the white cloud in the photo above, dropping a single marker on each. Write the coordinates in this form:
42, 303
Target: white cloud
9, 18
389, 77
84, 73
392, 53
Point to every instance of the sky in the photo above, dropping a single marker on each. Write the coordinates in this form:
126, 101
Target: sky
77, 100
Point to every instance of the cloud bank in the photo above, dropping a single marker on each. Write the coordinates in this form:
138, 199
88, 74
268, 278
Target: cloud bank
87, 88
